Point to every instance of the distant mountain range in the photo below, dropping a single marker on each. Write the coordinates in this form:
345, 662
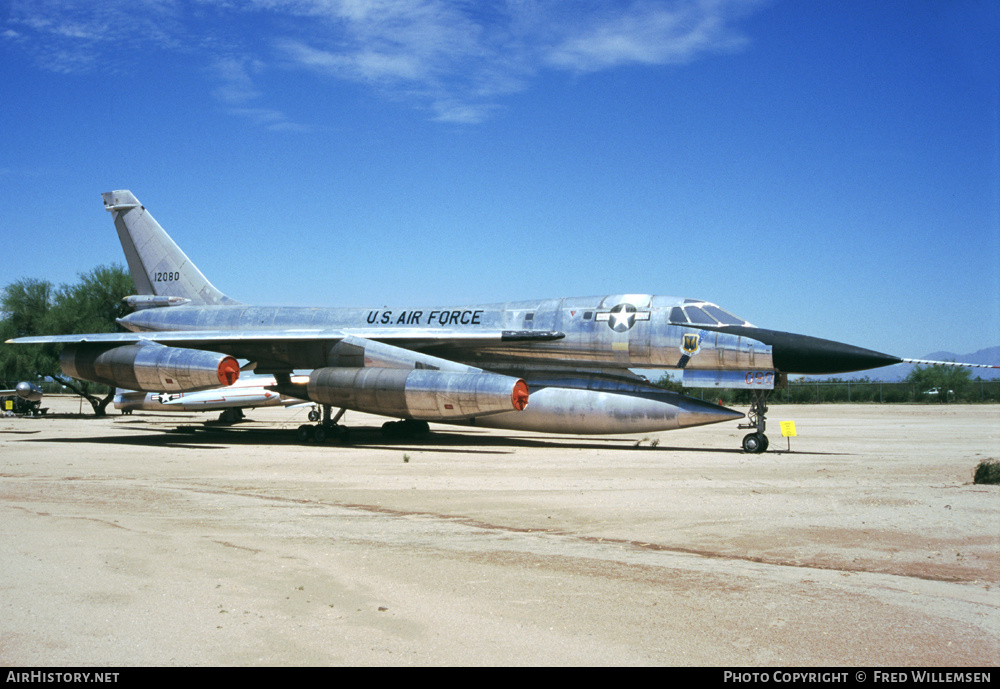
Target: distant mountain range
990, 355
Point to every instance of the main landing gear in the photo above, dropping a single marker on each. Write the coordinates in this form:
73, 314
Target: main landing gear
328, 429
756, 442
406, 428
231, 415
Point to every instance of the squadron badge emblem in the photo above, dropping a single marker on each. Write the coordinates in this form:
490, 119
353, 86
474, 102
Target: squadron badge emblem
691, 344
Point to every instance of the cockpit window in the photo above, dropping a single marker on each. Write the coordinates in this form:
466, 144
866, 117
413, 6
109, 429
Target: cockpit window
724, 317
703, 313
698, 316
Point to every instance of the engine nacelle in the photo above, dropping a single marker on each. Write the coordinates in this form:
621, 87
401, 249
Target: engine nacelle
417, 393
150, 368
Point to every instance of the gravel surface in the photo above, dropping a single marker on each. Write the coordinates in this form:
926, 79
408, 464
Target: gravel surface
159, 539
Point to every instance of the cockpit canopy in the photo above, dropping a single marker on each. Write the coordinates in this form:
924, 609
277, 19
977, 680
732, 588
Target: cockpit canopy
702, 313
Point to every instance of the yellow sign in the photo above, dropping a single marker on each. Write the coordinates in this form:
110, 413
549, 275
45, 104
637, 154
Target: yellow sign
788, 429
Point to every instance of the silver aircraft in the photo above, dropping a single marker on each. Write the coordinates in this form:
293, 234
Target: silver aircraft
25, 399
475, 364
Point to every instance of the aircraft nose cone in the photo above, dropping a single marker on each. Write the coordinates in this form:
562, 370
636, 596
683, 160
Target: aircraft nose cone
694, 412
793, 353
812, 355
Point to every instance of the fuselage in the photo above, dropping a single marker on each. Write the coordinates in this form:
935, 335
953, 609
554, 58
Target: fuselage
611, 332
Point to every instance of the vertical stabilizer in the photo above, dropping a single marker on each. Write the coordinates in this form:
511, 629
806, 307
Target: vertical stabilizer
157, 264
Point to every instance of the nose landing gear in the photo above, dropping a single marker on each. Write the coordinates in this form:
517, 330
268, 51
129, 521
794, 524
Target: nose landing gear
756, 442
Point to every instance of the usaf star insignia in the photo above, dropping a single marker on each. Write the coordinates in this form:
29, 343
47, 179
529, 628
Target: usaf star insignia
622, 317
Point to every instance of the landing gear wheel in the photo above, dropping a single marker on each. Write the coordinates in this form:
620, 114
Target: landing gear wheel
314, 415
755, 443
406, 428
304, 433
230, 416
320, 433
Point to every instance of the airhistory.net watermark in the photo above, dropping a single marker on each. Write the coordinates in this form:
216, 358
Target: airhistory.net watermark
40, 676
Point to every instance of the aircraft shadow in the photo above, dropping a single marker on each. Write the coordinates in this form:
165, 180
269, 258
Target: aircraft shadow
210, 437
468, 441
213, 434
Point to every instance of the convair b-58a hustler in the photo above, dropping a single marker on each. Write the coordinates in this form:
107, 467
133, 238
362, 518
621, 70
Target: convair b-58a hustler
554, 365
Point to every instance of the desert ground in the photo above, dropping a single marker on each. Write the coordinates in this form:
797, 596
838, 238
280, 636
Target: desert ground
160, 539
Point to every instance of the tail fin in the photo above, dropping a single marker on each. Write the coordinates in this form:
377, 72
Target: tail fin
157, 264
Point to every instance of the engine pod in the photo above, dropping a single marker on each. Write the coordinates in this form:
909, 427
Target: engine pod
150, 368
417, 393
28, 392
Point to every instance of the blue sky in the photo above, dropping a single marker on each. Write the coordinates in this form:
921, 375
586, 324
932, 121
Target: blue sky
821, 167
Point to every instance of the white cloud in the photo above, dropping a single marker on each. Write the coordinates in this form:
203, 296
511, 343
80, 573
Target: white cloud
649, 34
235, 73
458, 58
274, 120
76, 36
460, 113
455, 59
362, 65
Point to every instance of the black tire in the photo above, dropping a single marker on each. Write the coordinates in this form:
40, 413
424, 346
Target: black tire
754, 443
304, 433
390, 429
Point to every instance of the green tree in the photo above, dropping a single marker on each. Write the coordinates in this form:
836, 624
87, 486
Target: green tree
32, 307
93, 304
939, 383
668, 383
25, 305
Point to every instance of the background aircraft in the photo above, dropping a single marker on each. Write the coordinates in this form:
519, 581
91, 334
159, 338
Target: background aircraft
474, 364
24, 399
